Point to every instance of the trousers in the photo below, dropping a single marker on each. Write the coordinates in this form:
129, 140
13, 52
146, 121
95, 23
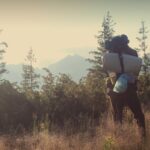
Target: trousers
129, 99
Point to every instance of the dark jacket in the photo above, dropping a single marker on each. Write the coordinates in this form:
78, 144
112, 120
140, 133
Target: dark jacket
129, 51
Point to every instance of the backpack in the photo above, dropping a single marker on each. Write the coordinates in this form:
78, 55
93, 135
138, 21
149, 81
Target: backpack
116, 45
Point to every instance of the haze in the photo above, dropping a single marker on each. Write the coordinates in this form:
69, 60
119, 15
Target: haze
57, 28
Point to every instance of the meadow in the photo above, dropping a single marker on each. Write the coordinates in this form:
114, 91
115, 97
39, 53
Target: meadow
106, 136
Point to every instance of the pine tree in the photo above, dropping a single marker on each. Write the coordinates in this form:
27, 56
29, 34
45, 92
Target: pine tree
143, 47
106, 33
95, 77
30, 78
48, 82
3, 46
144, 78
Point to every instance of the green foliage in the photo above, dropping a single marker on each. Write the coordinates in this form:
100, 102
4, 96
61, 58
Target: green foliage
3, 46
15, 109
106, 33
30, 82
95, 78
144, 79
144, 88
109, 143
143, 48
67, 102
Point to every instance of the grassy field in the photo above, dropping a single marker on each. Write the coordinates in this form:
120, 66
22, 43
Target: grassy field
108, 136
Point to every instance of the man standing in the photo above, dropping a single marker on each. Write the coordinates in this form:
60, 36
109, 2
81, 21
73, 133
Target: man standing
119, 44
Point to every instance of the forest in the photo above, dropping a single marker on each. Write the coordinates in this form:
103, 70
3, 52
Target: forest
62, 106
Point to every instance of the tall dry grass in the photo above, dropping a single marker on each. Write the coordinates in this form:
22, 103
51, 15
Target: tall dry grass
108, 136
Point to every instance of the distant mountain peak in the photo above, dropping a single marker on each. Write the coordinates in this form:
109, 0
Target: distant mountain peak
74, 56
75, 65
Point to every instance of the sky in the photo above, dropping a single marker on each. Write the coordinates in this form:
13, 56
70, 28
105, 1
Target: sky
57, 28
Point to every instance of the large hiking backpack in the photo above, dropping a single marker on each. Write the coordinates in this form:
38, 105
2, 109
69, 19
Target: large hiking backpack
117, 60
132, 64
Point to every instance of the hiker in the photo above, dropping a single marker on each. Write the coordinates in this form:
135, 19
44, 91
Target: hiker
128, 97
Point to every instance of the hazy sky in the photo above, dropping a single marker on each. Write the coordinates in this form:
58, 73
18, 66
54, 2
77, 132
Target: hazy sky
56, 28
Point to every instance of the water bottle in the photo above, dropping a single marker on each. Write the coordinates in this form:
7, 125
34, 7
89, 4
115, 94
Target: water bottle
121, 85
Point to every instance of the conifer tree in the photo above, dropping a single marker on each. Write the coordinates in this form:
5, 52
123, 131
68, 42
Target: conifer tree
30, 78
106, 33
96, 75
144, 84
48, 82
3, 46
143, 47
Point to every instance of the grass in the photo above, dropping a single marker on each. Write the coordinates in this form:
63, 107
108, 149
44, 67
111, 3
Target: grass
108, 136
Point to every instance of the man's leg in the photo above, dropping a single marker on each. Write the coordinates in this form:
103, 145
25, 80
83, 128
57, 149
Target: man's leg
117, 104
135, 106
116, 101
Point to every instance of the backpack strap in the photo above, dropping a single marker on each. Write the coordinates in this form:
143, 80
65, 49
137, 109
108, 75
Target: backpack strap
121, 62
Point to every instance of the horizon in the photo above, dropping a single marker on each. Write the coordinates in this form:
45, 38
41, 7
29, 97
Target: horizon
55, 29
58, 61
63, 66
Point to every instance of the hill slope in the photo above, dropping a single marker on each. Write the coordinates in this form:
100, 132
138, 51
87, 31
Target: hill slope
75, 65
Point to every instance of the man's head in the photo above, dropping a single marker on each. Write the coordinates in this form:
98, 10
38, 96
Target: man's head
117, 43
125, 39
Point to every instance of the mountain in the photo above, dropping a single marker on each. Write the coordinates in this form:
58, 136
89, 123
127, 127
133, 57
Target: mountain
74, 65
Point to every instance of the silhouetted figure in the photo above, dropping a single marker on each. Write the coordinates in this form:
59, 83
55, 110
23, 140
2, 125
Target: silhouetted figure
119, 44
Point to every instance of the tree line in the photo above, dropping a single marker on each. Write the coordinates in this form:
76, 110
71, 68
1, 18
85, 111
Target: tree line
60, 100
